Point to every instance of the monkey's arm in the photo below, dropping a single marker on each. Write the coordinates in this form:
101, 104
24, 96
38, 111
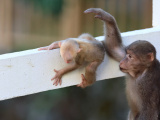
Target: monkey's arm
54, 45
60, 73
113, 41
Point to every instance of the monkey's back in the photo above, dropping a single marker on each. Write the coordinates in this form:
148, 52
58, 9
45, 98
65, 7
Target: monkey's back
94, 50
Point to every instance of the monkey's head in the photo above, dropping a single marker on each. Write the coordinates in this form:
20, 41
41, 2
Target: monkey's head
139, 56
69, 50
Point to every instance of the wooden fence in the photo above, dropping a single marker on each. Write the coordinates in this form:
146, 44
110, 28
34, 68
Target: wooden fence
24, 25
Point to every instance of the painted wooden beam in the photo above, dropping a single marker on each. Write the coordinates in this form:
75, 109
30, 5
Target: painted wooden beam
28, 72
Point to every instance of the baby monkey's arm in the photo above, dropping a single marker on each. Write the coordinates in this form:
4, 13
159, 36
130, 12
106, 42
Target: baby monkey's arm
54, 45
60, 73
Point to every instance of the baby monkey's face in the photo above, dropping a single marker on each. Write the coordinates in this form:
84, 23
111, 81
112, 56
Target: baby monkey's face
68, 56
68, 51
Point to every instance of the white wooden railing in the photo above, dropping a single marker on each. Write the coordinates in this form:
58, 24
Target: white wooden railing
29, 72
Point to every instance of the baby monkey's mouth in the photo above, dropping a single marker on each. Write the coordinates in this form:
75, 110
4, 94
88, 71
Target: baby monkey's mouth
68, 61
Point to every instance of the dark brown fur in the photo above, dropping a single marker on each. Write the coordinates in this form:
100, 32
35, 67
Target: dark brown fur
91, 54
139, 61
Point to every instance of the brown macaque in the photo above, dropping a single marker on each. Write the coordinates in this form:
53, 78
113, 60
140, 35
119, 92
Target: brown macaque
138, 61
84, 50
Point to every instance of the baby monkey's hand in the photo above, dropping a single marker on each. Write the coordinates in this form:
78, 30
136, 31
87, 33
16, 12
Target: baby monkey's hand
57, 77
54, 45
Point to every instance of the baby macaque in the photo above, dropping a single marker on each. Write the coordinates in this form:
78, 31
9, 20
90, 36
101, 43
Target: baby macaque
84, 50
138, 61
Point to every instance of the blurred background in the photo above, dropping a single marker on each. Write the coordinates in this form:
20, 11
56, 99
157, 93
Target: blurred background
28, 24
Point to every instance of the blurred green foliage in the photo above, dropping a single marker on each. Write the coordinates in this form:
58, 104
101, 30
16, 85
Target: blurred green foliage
49, 6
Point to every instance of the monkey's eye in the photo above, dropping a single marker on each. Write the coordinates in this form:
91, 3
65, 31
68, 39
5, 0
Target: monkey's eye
129, 56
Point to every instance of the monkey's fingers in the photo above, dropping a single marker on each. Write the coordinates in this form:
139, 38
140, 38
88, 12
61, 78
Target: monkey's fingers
60, 81
56, 82
83, 78
55, 70
92, 10
80, 85
98, 11
54, 77
43, 48
98, 16
51, 47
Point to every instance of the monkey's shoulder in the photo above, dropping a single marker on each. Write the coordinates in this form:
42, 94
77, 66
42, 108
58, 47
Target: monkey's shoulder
91, 51
91, 45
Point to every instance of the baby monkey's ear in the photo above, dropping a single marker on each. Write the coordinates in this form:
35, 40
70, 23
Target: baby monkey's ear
79, 50
150, 56
59, 43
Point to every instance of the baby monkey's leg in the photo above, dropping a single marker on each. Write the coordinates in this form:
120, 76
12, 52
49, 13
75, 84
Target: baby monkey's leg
90, 74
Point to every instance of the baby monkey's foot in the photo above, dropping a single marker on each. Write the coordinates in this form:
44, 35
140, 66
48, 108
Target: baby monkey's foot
83, 84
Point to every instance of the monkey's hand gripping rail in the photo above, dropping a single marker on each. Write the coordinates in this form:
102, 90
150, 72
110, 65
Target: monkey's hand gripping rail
28, 72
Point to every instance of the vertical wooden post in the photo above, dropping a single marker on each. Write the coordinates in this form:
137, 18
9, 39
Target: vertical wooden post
156, 13
70, 21
6, 34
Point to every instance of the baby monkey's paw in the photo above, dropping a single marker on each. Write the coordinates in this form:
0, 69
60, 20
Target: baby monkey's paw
83, 84
57, 77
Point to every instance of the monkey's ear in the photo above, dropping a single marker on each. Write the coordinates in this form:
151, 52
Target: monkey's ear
79, 50
151, 56
59, 43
